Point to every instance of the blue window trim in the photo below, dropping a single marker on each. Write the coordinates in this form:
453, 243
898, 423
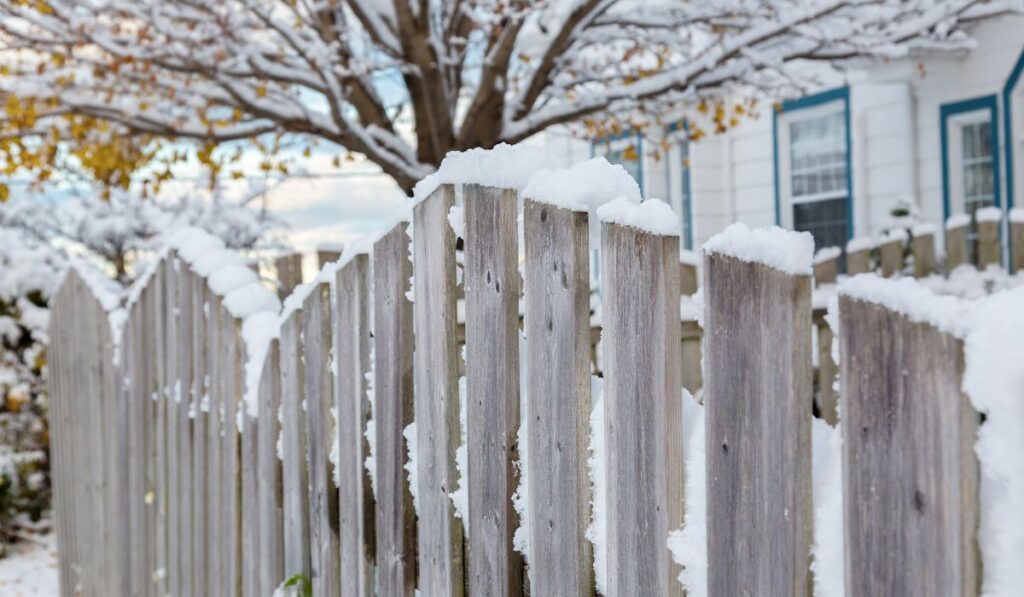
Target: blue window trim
946, 111
639, 151
1011, 83
687, 186
810, 101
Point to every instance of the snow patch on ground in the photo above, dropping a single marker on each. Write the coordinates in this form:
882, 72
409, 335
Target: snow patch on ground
30, 569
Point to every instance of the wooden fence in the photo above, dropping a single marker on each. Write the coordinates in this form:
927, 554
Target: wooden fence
168, 482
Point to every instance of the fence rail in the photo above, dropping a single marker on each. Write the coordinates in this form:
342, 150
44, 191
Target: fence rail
354, 455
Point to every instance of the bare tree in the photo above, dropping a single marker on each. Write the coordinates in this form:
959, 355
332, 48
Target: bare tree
405, 81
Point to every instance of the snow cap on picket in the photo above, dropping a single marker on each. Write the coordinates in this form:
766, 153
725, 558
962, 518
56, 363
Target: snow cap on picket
861, 243
912, 299
249, 299
229, 277
653, 216
989, 214
957, 221
785, 250
504, 167
827, 254
584, 186
192, 242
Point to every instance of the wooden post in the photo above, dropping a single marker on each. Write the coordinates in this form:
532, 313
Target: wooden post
956, 246
1017, 241
687, 277
319, 386
325, 255
293, 450
170, 314
890, 256
182, 404
289, 273
231, 474
643, 410
858, 256
910, 475
826, 266
492, 382
250, 504
439, 557
393, 410
924, 254
692, 375
828, 399
357, 516
270, 483
202, 338
557, 321
158, 445
988, 242
758, 438
217, 355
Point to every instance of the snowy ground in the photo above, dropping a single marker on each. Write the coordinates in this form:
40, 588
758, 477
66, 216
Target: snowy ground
30, 569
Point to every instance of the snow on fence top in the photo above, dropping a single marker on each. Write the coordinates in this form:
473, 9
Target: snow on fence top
861, 243
989, 214
784, 250
912, 299
505, 166
957, 221
653, 216
1017, 215
827, 254
923, 229
896, 234
582, 187
244, 297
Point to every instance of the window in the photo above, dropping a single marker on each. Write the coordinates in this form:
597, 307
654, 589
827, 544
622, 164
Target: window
818, 174
977, 175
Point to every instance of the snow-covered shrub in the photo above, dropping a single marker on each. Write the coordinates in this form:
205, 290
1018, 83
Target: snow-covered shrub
29, 272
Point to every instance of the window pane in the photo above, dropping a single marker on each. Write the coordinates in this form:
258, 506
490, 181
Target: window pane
818, 157
825, 220
978, 175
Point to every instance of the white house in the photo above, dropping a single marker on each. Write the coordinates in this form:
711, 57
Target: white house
943, 131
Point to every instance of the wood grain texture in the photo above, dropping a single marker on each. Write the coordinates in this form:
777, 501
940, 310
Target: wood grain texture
956, 247
201, 504
758, 442
923, 247
910, 475
250, 544
319, 392
1016, 246
294, 473
356, 511
557, 322
270, 483
231, 440
492, 388
688, 278
392, 411
890, 257
643, 410
182, 392
217, 357
440, 554
988, 244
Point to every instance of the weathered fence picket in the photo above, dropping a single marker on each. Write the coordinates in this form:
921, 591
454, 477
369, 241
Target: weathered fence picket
956, 244
440, 554
319, 397
199, 410
270, 483
923, 247
910, 475
557, 318
988, 242
352, 355
492, 388
295, 475
758, 427
643, 411
1017, 243
289, 273
392, 412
